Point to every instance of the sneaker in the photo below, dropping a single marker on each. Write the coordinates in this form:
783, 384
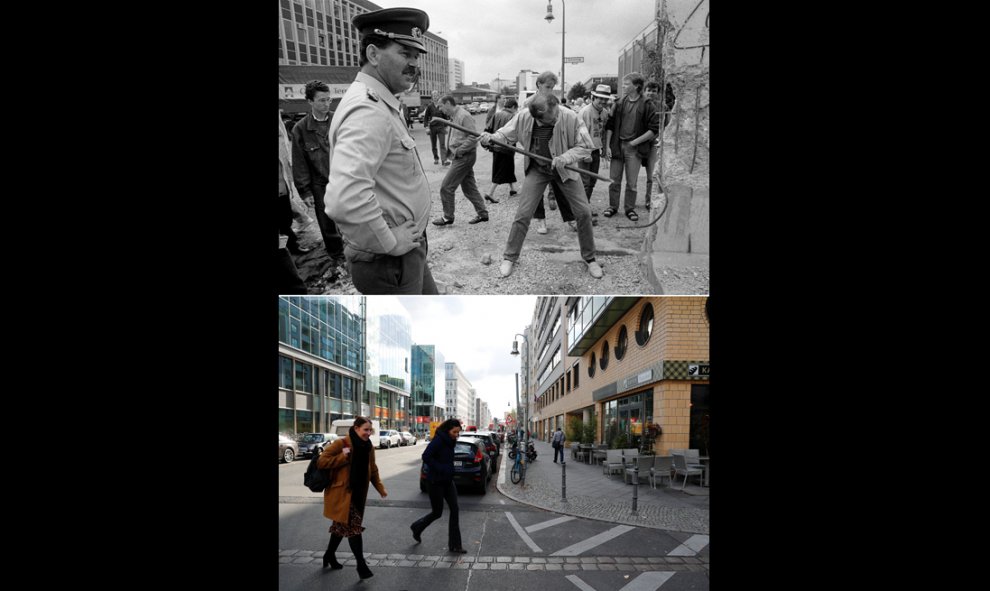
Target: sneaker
477, 219
506, 268
541, 226
573, 225
595, 269
446, 162
442, 221
436, 161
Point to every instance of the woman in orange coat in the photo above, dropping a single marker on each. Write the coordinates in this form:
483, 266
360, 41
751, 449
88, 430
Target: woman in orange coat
352, 460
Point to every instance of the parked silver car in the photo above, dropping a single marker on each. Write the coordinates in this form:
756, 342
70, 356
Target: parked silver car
288, 449
389, 438
408, 438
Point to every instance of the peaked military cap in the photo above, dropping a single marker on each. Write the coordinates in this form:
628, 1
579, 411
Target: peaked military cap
402, 25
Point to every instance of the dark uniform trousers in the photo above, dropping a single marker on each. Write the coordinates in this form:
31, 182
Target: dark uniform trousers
382, 274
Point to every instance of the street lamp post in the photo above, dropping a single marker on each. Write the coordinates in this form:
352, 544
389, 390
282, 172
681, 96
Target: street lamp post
525, 435
563, 23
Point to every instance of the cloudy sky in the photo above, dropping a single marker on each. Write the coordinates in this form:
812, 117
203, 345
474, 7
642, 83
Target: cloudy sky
476, 332
501, 37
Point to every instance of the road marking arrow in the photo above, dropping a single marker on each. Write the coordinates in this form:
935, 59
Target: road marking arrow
546, 524
522, 534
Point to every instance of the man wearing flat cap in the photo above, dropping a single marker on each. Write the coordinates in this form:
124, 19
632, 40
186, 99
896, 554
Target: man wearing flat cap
378, 192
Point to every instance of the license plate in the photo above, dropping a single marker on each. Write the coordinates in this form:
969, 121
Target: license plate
458, 463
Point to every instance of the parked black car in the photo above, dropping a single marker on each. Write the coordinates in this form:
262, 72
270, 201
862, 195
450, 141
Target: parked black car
472, 466
313, 443
491, 446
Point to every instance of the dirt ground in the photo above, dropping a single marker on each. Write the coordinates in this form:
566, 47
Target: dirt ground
465, 258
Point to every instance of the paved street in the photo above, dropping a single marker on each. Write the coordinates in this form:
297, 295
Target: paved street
550, 263
531, 547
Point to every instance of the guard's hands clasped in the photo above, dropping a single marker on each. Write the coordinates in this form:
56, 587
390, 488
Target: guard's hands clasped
407, 238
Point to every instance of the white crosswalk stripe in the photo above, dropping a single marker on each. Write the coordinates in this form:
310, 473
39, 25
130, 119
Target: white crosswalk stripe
598, 540
691, 546
648, 581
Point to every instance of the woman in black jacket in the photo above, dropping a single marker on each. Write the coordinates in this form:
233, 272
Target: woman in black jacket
439, 458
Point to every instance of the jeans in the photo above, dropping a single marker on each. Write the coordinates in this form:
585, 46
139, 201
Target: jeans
461, 174
441, 134
651, 164
385, 274
439, 492
593, 166
559, 450
530, 196
629, 161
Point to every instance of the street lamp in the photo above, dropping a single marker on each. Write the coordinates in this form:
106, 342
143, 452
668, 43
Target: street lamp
515, 351
563, 21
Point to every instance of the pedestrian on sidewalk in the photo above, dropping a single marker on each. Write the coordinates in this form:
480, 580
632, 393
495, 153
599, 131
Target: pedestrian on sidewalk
503, 159
311, 158
463, 150
352, 461
438, 131
439, 459
558, 445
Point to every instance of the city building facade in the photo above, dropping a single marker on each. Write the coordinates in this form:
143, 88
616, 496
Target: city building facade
388, 379
640, 371
320, 33
553, 368
455, 73
460, 395
321, 350
429, 378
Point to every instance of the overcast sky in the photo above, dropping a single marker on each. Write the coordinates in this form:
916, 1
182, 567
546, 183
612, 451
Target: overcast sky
500, 37
476, 333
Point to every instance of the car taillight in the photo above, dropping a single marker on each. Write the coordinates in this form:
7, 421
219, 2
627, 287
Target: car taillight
478, 457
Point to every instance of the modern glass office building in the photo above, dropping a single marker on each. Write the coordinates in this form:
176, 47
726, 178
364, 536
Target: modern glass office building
428, 383
321, 361
388, 381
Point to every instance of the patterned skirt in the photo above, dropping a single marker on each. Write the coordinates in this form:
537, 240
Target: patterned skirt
353, 526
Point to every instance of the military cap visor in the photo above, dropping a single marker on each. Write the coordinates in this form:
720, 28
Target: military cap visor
402, 25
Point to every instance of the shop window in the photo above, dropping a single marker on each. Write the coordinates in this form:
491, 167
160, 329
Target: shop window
603, 363
645, 325
620, 345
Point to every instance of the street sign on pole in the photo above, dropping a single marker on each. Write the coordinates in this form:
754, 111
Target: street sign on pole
573, 60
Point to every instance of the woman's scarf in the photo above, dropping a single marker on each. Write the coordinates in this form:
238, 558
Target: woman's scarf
360, 453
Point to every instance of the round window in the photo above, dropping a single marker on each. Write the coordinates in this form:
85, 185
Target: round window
604, 360
620, 345
591, 366
645, 325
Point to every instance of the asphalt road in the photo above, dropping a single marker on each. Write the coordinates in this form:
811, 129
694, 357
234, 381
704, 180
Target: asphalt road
510, 546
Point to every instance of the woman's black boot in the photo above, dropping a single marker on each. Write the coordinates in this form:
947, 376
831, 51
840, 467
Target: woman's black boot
329, 558
357, 547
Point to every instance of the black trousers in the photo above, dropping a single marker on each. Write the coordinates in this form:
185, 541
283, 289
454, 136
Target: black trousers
288, 281
332, 240
439, 492
559, 450
383, 274
285, 221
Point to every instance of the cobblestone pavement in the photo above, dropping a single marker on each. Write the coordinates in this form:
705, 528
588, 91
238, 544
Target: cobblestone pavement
592, 495
531, 563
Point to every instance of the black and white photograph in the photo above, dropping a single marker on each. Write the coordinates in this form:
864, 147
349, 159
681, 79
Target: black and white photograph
514, 147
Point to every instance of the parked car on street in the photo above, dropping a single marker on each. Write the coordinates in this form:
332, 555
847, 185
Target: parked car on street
342, 426
472, 466
389, 438
313, 443
288, 449
408, 438
491, 448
